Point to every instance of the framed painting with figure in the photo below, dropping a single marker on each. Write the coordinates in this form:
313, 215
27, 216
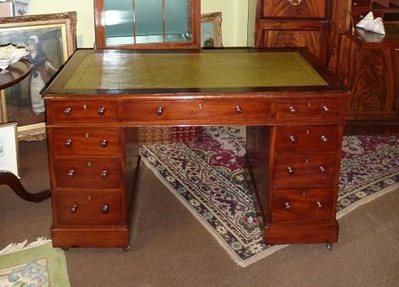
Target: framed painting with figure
9, 148
211, 30
50, 40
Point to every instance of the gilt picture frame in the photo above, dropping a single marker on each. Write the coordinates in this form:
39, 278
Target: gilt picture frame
211, 30
9, 148
51, 40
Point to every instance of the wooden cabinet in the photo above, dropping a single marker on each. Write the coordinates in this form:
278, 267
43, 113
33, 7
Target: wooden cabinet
368, 64
347, 13
294, 8
371, 70
302, 193
147, 24
293, 23
88, 175
303, 161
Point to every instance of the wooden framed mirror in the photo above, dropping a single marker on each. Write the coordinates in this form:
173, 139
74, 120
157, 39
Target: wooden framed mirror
147, 24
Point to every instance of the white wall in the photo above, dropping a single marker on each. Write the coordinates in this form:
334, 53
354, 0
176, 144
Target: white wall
235, 19
234, 26
84, 9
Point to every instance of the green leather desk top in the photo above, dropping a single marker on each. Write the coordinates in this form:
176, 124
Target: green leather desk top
206, 70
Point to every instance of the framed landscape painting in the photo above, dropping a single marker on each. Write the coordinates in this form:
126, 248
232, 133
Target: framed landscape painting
50, 40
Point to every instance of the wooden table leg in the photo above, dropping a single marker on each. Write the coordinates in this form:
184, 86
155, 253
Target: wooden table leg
8, 178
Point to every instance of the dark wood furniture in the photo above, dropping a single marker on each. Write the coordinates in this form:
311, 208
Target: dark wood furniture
293, 23
368, 64
11, 76
143, 24
380, 8
291, 105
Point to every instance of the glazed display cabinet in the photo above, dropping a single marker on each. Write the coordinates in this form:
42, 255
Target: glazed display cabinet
146, 24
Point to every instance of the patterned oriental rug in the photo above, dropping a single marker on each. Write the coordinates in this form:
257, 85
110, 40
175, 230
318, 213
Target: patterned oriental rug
36, 264
208, 178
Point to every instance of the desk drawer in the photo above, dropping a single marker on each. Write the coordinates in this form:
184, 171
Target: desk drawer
302, 171
361, 3
87, 142
84, 208
306, 139
309, 109
302, 205
238, 111
294, 8
88, 173
81, 111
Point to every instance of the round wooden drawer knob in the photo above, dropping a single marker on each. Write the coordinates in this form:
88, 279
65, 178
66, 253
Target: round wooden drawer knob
104, 143
159, 111
71, 173
105, 209
290, 170
287, 205
74, 208
324, 139
101, 111
68, 142
323, 169
104, 173
67, 111
292, 109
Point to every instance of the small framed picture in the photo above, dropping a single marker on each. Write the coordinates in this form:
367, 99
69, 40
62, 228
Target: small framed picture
9, 148
211, 30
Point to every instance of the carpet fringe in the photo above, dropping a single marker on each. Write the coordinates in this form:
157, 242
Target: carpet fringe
14, 247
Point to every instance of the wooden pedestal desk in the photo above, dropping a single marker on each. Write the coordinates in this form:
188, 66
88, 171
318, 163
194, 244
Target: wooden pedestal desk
292, 108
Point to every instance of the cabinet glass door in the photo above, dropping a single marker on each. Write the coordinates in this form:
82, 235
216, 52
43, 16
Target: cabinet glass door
147, 23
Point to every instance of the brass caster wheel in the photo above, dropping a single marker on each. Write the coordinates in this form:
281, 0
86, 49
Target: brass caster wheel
126, 248
329, 246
